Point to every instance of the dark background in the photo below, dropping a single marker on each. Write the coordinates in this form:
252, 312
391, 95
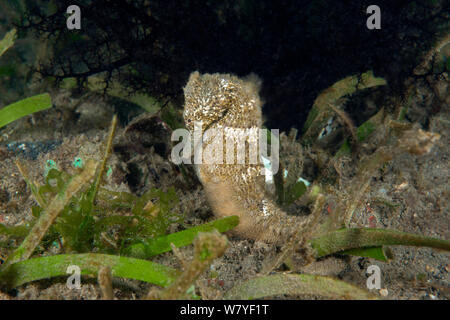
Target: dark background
298, 48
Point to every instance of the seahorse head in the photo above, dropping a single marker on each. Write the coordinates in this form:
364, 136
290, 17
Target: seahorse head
209, 97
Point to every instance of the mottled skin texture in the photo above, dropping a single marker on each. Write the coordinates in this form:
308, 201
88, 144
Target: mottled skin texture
225, 101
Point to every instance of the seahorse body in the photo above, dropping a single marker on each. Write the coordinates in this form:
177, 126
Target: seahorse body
225, 102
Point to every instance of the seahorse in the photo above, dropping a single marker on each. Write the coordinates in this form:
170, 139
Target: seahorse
226, 102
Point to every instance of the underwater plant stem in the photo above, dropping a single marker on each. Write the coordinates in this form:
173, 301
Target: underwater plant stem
34, 190
44, 222
98, 180
89, 264
105, 282
347, 86
296, 284
207, 247
8, 41
179, 239
345, 239
343, 115
24, 108
366, 171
